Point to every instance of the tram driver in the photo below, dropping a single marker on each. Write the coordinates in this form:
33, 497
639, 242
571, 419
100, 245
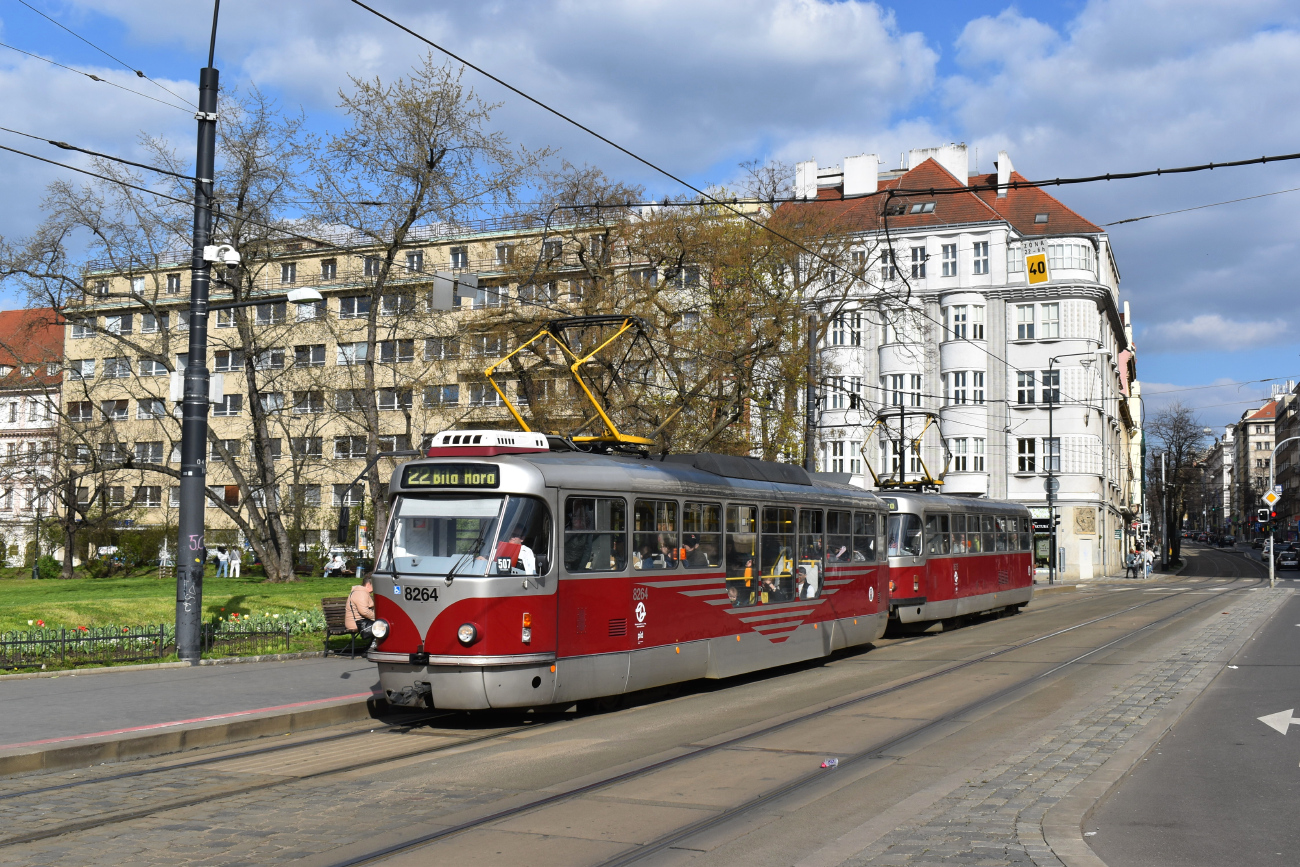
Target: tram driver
521, 557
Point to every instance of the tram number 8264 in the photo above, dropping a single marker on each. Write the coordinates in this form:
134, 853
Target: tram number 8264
420, 594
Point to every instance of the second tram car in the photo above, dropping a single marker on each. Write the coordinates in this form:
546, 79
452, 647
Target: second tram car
953, 556
517, 572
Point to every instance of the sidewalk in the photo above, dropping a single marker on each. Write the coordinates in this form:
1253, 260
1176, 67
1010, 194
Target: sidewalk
74, 707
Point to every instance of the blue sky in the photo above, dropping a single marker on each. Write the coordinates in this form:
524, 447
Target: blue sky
698, 86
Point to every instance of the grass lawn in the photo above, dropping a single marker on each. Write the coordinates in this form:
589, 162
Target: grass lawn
142, 599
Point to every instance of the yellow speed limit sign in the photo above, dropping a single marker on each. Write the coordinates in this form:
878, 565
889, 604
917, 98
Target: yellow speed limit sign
1036, 262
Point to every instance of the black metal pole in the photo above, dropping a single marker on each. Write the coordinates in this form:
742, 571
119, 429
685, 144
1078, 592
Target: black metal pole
1051, 494
810, 399
191, 553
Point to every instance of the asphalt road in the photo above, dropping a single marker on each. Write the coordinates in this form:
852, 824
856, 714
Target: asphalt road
1221, 787
73, 705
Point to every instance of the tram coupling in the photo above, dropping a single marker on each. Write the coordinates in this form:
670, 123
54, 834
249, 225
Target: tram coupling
419, 694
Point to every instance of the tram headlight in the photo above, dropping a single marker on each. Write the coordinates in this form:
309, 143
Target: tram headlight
467, 634
379, 629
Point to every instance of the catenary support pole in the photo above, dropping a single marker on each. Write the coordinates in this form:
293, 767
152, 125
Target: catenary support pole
191, 553
810, 400
1164, 517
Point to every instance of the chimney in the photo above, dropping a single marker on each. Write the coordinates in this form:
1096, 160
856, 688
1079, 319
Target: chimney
860, 175
805, 180
1004, 173
952, 157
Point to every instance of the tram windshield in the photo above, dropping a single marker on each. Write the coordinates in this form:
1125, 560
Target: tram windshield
904, 535
467, 536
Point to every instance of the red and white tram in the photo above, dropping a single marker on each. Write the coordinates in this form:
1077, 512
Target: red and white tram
518, 573
953, 556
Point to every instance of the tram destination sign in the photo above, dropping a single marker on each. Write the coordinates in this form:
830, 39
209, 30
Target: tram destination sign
452, 476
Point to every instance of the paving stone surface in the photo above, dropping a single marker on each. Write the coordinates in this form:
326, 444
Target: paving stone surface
998, 818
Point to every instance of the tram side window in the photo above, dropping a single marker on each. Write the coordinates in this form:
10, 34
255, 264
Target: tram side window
936, 534
904, 535
702, 535
959, 545
778, 552
945, 540
865, 536
812, 555
1026, 535
595, 534
655, 541
990, 533
974, 541
742, 548
525, 546
839, 537
1002, 540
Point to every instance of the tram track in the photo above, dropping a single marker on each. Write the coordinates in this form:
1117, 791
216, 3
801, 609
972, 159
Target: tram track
873, 751
405, 726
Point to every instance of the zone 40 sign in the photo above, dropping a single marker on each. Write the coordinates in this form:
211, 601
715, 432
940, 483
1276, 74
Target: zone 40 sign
1036, 262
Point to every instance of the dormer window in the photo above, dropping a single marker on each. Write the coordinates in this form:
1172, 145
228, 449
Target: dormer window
1040, 218
923, 208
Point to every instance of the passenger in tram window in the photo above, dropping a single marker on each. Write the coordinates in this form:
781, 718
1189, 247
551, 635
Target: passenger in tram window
945, 540
865, 537
1002, 541
959, 545
741, 550
974, 541
704, 522
654, 535
694, 557
839, 537
989, 533
931, 534
595, 537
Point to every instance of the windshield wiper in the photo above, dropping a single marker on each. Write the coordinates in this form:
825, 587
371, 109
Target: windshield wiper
478, 544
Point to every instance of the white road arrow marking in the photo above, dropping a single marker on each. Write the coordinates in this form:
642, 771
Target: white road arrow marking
1280, 721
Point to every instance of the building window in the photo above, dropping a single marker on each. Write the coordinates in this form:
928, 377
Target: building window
307, 447
82, 328
957, 321
173, 284
955, 393
981, 262
1025, 387
149, 452
855, 457
1052, 454
228, 360
310, 312
306, 495
394, 398
372, 266
489, 296
230, 405
950, 260
112, 452
149, 323
269, 359
271, 314
1025, 454
349, 447
329, 269
354, 307
918, 263
137, 285
977, 322
441, 395
305, 402
958, 448
505, 254
837, 456
1051, 386
120, 324
115, 495
459, 257
81, 410
483, 394
391, 351
888, 265
271, 401
312, 355
114, 410
894, 388
81, 368
150, 408
977, 386
225, 319
977, 455
1024, 322
415, 261
117, 368
915, 393
441, 348
1049, 325
351, 353
150, 367
350, 400
289, 272
349, 495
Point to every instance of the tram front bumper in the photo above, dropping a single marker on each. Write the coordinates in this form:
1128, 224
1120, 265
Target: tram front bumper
467, 683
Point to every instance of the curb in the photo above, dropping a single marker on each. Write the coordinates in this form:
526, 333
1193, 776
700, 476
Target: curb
181, 738
1063, 823
151, 666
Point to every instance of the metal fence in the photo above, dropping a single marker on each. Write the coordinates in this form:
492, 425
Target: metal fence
104, 645
84, 645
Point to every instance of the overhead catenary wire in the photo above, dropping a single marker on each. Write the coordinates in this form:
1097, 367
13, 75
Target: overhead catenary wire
94, 77
70, 147
139, 72
1200, 207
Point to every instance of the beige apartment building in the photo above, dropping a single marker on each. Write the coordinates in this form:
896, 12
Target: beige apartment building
305, 372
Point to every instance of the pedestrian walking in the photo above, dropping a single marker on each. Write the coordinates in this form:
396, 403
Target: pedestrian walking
1147, 558
223, 562
233, 562
1131, 565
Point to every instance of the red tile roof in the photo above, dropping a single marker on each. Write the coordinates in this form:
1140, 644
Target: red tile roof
31, 337
1019, 207
1268, 410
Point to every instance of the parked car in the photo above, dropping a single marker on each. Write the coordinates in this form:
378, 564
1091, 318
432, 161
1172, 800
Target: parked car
1288, 559
1257, 544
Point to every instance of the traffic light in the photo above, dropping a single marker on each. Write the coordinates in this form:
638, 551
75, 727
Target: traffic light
1262, 516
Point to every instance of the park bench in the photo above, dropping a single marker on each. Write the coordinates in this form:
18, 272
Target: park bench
335, 609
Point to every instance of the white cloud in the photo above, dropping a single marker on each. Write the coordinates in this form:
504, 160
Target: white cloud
1210, 331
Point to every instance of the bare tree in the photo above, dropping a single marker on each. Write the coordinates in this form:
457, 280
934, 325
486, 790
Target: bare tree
1176, 432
